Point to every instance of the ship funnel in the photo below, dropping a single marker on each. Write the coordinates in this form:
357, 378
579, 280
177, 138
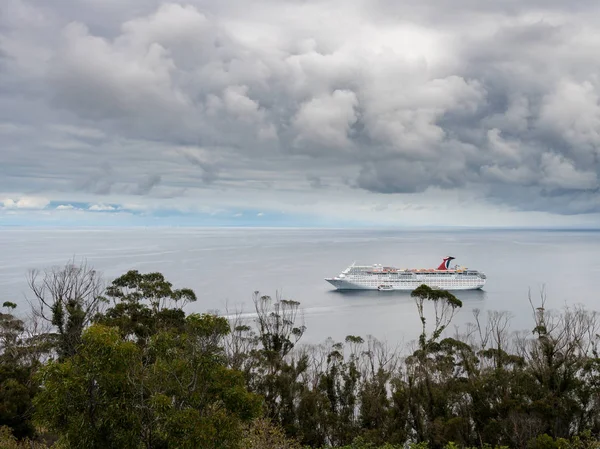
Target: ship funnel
446, 263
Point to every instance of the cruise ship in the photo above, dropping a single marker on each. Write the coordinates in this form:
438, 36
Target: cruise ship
378, 277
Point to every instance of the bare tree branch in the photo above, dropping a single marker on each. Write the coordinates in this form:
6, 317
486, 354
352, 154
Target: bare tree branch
68, 298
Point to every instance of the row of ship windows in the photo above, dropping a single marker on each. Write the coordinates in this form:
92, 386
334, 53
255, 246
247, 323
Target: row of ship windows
413, 273
408, 278
359, 273
441, 282
413, 278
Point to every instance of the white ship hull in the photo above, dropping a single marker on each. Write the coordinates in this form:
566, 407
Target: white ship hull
342, 284
378, 277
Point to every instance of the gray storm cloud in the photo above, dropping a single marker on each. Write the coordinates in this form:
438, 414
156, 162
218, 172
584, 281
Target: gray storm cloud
501, 97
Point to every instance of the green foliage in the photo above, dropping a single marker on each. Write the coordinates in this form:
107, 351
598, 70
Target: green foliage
583, 441
445, 305
211, 400
89, 400
261, 433
16, 368
9, 441
276, 321
144, 304
145, 375
176, 391
361, 443
450, 393
151, 287
544, 441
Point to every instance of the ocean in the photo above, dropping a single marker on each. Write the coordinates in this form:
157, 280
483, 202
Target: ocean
225, 266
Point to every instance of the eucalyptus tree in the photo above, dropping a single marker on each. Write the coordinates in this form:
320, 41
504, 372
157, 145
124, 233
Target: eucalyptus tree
176, 391
563, 360
16, 388
142, 304
277, 379
445, 306
430, 369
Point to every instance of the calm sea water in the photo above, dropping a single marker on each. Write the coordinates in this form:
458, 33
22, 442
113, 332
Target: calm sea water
225, 266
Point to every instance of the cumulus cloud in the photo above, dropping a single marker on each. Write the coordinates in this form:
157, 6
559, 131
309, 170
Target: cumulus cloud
561, 173
102, 80
325, 121
65, 207
165, 100
101, 208
26, 202
572, 113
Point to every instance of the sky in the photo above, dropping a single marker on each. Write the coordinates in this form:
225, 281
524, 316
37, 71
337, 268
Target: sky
300, 113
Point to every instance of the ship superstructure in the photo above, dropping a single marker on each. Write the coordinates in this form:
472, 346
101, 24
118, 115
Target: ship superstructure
379, 277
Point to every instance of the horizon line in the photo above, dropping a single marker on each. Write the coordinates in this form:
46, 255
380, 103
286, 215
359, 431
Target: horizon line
336, 227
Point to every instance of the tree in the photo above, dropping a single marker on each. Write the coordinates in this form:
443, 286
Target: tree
11, 331
277, 328
195, 399
174, 392
16, 368
144, 304
445, 305
427, 402
67, 297
559, 358
274, 378
9, 441
88, 399
263, 434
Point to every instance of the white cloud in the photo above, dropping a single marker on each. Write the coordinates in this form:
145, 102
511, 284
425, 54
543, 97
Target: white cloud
503, 150
572, 112
561, 173
325, 121
509, 175
26, 202
65, 207
101, 208
99, 79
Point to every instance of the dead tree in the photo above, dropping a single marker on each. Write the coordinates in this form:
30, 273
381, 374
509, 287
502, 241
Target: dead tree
67, 297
